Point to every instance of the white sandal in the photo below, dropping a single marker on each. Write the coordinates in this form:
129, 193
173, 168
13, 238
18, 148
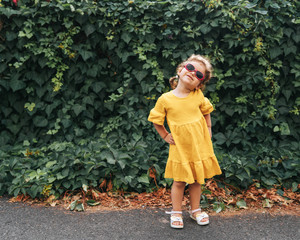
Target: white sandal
175, 219
199, 217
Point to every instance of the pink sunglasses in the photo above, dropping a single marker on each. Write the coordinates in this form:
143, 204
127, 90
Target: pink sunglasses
199, 75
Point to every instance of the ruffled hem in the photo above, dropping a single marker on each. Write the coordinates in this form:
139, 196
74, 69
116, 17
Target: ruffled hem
193, 171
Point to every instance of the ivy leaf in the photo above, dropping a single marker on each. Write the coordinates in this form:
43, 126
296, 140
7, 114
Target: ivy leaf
220, 138
126, 37
40, 121
109, 157
241, 204
263, 12
250, 5
218, 206
8, 11
140, 75
17, 85
85, 54
78, 109
89, 29
92, 203
266, 203
276, 129
84, 187
89, 124
144, 179
284, 129
275, 52
77, 206
98, 86
73, 205
205, 28
50, 164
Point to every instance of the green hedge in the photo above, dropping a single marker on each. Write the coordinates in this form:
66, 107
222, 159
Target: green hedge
82, 76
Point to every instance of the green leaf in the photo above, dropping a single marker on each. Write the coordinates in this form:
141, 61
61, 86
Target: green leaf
250, 5
16, 192
50, 164
109, 157
144, 179
220, 138
98, 86
276, 129
79, 207
263, 12
284, 129
92, 203
274, 5
126, 37
89, 29
140, 75
84, 187
280, 192
241, 204
86, 54
73, 205
40, 121
205, 28
266, 203
34, 190
67, 185
78, 109
51, 179
294, 186
122, 164
9, 11
275, 52
26, 143
17, 85
89, 124
218, 207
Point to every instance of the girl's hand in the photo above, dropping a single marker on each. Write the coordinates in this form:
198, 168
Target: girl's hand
169, 139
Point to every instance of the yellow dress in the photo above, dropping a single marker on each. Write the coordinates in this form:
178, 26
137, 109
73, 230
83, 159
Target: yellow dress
192, 157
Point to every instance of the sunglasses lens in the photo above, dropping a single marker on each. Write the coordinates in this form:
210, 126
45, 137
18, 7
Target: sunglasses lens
190, 67
199, 75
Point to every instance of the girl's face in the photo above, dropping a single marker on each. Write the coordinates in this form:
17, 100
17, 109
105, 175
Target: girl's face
188, 78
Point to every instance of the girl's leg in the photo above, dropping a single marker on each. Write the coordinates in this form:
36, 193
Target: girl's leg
177, 197
195, 196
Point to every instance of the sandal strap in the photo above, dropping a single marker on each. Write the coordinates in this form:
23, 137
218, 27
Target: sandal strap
176, 219
196, 210
202, 215
172, 212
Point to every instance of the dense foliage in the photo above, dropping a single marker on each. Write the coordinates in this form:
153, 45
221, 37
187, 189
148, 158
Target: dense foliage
78, 78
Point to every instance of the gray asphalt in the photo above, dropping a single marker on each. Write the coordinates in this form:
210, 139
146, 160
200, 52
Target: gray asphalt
22, 221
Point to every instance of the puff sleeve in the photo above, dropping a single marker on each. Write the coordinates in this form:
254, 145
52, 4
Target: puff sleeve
206, 107
158, 113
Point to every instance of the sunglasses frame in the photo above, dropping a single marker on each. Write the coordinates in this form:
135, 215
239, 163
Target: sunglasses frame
195, 71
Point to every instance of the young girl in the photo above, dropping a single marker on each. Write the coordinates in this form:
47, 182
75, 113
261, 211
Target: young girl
191, 156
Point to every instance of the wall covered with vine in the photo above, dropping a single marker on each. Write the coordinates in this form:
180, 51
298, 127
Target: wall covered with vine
78, 79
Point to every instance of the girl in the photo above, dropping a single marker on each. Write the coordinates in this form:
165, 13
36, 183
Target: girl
191, 156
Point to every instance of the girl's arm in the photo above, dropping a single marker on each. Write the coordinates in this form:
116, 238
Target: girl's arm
164, 133
208, 122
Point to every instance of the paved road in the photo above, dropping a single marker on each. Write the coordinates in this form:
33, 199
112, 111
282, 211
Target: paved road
21, 221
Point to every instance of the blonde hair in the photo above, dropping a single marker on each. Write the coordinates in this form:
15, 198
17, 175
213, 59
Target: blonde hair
196, 58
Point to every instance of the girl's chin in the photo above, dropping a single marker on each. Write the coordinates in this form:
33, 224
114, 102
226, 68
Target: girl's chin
187, 78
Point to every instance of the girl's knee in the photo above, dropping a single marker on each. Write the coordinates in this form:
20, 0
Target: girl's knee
196, 183
179, 184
